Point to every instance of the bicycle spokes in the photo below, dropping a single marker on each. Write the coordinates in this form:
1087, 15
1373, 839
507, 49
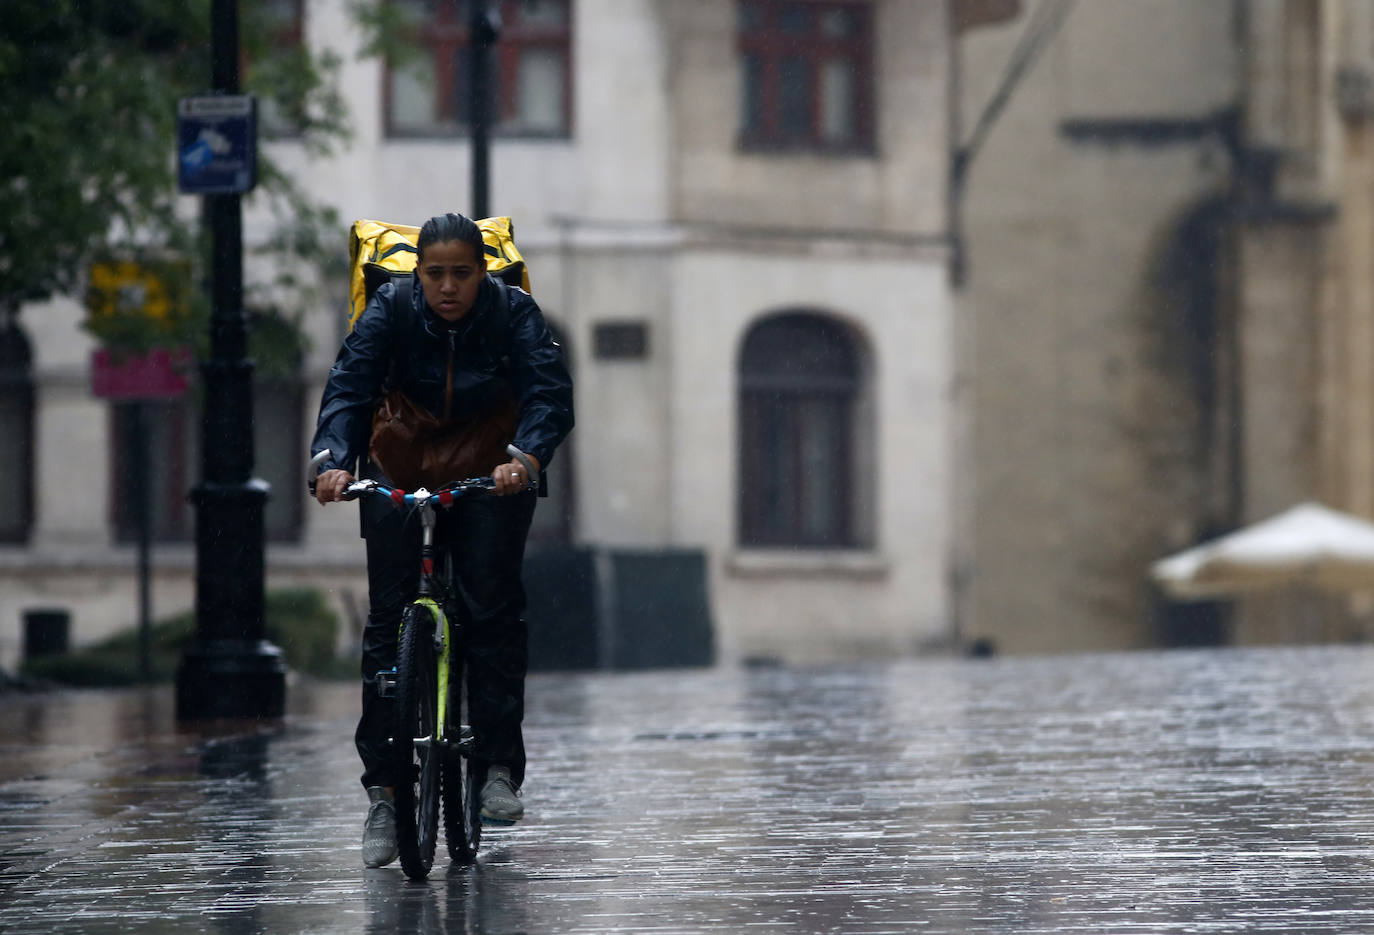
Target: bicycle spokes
418, 755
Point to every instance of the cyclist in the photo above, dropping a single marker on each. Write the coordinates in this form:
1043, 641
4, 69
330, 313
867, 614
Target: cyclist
452, 342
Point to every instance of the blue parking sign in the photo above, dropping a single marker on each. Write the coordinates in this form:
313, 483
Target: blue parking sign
217, 144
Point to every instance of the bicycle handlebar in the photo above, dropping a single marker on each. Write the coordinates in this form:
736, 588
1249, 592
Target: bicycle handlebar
445, 494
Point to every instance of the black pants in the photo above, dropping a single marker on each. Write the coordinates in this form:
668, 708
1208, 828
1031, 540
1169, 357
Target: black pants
486, 537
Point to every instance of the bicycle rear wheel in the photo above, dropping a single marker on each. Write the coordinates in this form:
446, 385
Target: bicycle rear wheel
462, 810
418, 754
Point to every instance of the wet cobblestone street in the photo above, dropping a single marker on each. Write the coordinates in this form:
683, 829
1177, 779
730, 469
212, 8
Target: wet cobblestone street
1207, 791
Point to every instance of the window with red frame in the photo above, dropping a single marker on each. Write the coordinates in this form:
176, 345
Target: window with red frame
427, 88
171, 439
806, 74
168, 442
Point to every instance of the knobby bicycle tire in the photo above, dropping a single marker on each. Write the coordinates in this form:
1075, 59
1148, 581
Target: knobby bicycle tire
418, 752
462, 810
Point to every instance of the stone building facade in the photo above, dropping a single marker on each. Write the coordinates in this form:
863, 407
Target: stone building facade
1166, 326
741, 242
898, 390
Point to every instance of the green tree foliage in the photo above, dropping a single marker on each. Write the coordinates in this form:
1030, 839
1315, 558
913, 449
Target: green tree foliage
88, 92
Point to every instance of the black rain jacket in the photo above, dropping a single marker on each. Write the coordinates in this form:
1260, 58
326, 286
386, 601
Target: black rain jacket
448, 368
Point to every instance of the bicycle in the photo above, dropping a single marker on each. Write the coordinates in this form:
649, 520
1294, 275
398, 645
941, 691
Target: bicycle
432, 748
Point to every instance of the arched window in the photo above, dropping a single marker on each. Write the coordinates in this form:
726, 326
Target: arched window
799, 381
16, 433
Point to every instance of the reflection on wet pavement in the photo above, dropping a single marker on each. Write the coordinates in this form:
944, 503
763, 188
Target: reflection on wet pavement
1218, 791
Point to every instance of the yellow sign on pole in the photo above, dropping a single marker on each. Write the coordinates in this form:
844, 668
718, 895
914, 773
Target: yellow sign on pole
136, 306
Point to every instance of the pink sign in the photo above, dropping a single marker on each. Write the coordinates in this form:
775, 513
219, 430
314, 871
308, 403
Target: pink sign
158, 374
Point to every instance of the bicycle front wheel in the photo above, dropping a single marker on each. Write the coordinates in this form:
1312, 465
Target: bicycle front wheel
418, 752
462, 810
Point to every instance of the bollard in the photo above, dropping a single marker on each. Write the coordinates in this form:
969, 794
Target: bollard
47, 632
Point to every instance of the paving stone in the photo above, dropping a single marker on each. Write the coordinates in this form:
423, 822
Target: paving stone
1201, 791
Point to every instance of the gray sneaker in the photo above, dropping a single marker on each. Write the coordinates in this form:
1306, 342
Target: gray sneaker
379, 833
500, 799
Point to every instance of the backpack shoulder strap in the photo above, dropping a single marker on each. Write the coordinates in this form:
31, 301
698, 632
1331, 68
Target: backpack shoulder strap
503, 304
498, 335
400, 315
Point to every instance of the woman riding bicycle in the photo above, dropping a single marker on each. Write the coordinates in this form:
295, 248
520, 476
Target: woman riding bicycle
464, 350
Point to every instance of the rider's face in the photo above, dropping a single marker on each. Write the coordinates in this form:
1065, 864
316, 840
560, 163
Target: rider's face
451, 272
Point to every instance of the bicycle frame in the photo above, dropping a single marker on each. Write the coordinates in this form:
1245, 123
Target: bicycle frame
440, 746
440, 762
430, 589
425, 596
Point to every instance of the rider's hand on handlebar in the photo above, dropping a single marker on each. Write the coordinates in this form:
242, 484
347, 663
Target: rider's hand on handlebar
330, 485
511, 477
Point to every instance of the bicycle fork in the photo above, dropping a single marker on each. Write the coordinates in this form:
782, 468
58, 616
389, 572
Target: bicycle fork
461, 741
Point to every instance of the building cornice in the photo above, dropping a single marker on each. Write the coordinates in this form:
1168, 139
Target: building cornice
176, 559
582, 235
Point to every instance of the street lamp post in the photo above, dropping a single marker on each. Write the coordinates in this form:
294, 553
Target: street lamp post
230, 671
485, 30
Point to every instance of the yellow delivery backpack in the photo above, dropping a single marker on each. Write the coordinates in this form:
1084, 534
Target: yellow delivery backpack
381, 252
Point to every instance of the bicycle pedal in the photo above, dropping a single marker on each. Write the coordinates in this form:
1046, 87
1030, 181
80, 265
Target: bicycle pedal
386, 683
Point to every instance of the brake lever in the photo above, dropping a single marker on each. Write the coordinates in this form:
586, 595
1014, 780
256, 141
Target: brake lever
312, 470
527, 464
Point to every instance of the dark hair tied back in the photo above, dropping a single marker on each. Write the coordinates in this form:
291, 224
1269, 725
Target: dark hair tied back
443, 228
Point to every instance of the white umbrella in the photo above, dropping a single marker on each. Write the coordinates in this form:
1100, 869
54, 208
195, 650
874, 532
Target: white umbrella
1309, 544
